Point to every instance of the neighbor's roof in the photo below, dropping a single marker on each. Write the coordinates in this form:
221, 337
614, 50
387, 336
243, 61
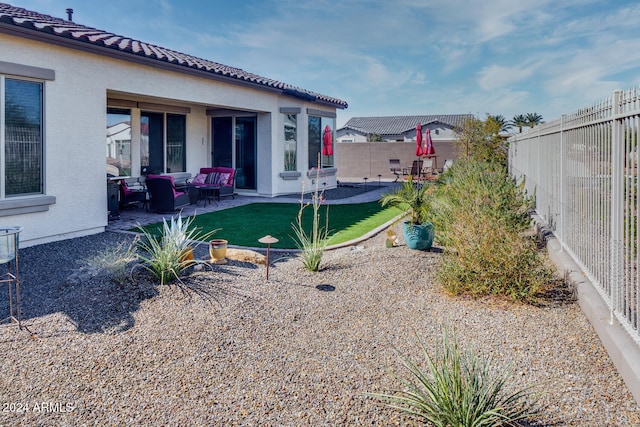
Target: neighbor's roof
397, 125
25, 23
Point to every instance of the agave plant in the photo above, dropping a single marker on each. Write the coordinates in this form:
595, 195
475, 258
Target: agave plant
165, 259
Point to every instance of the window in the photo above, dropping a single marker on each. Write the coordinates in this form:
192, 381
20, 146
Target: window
290, 142
316, 132
118, 142
153, 150
176, 143
22, 137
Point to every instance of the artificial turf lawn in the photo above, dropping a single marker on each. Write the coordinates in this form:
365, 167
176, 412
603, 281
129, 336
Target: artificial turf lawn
244, 225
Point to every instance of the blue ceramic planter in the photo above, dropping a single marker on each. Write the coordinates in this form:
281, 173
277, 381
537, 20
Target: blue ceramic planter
418, 236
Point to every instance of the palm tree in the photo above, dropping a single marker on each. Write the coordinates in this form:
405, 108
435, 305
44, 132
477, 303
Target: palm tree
505, 125
519, 121
534, 119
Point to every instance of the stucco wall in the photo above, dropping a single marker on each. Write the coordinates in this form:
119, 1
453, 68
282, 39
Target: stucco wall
75, 124
368, 159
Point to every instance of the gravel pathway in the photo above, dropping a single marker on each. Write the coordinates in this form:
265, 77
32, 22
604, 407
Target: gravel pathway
300, 349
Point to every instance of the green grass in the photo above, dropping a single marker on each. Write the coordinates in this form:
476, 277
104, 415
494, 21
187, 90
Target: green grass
244, 225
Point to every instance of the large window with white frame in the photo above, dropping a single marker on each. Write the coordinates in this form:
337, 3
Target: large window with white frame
21, 137
290, 142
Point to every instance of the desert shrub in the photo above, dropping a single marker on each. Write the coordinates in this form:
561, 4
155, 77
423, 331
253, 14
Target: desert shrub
460, 388
482, 217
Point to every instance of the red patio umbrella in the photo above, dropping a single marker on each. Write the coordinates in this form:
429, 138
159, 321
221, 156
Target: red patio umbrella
418, 139
327, 142
428, 145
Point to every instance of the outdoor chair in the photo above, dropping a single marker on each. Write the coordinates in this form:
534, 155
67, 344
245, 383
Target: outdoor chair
416, 168
396, 169
164, 196
129, 196
447, 164
427, 168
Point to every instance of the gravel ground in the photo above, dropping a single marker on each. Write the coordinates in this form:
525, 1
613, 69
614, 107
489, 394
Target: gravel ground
300, 349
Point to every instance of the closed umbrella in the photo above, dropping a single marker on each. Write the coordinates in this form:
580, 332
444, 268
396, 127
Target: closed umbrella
428, 146
327, 142
418, 140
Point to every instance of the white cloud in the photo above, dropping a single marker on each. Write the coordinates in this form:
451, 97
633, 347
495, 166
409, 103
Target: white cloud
496, 76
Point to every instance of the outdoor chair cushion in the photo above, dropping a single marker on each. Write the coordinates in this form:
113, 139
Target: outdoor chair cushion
199, 179
220, 177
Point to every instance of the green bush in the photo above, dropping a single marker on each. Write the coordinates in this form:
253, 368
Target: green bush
460, 389
482, 218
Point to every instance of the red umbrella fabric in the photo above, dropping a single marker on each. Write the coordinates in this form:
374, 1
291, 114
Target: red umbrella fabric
327, 142
419, 140
428, 146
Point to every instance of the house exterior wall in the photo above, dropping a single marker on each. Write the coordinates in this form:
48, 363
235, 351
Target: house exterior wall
74, 123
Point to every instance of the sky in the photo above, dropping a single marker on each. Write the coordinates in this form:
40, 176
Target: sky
399, 57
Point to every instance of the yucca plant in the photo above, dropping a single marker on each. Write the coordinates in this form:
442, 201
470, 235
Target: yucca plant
460, 389
165, 252
313, 243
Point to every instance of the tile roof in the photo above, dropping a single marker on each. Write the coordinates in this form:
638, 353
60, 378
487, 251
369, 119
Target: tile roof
397, 125
15, 20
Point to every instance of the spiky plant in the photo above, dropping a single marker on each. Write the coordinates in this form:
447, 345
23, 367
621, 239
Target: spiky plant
460, 389
165, 253
312, 243
413, 197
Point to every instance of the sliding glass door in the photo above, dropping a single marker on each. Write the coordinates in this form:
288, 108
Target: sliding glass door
243, 151
246, 153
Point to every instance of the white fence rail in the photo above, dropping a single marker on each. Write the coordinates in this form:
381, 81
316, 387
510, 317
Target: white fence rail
583, 171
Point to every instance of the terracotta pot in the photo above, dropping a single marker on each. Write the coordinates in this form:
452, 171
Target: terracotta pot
218, 251
186, 256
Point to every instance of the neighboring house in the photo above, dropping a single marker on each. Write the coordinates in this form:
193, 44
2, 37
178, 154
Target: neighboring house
395, 138
400, 128
64, 86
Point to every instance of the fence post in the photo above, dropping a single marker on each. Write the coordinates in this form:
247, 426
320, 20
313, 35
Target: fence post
617, 204
561, 204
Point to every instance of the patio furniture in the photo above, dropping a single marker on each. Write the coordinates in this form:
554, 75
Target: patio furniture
129, 196
207, 194
427, 167
414, 170
9, 252
447, 164
394, 166
164, 196
219, 178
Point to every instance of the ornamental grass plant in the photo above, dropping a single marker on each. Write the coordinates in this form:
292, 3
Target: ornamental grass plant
456, 388
117, 261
